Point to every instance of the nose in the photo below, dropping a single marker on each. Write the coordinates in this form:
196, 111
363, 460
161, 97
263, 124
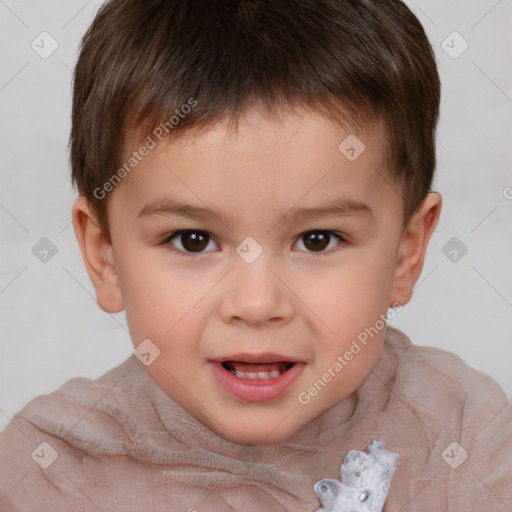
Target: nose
256, 293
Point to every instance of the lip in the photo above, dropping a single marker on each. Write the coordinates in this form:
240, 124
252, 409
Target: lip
255, 390
265, 357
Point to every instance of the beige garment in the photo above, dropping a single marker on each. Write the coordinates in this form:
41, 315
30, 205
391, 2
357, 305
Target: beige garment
123, 445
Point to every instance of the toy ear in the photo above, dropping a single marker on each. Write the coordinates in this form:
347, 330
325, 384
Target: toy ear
353, 467
327, 491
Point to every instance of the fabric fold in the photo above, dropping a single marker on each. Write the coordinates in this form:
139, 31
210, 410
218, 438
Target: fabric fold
124, 445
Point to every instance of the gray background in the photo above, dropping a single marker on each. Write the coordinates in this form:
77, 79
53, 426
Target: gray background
53, 330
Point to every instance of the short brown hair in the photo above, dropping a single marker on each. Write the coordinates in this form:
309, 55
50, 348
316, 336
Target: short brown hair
356, 61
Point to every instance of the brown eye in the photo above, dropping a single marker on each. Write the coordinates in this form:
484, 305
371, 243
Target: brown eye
190, 241
318, 241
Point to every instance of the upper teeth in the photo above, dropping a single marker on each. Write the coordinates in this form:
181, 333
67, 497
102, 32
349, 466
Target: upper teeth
257, 375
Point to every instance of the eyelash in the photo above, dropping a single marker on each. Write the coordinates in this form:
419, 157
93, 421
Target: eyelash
191, 255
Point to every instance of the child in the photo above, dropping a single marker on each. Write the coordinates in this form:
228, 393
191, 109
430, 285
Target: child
211, 143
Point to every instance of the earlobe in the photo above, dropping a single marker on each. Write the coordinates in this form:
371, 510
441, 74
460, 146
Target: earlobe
98, 257
412, 249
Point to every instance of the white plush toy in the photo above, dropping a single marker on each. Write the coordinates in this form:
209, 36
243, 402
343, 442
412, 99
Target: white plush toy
365, 477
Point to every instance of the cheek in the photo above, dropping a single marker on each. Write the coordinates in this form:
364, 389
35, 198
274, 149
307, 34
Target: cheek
162, 303
351, 305
149, 296
350, 297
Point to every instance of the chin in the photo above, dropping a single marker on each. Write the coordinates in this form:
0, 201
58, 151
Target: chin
247, 436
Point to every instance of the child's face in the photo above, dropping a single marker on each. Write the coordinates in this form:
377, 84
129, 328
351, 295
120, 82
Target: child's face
305, 297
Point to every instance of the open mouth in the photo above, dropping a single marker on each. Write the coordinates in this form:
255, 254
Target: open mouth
257, 370
256, 381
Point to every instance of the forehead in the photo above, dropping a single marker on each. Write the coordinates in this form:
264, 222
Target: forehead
259, 133
299, 157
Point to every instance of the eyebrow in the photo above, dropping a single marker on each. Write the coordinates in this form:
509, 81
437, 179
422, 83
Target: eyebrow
338, 208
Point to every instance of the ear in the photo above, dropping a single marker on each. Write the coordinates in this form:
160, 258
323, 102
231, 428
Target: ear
98, 257
412, 249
